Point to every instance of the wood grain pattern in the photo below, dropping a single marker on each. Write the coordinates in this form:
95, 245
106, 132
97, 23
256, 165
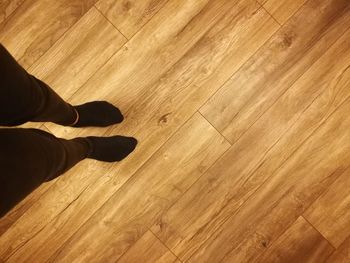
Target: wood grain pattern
36, 38
300, 243
124, 218
282, 10
271, 71
108, 79
129, 15
342, 254
77, 55
330, 213
148, 249
281, 97
294, 186
269, 142
280, 200
73, 59
152, 95
66, 66
7, 7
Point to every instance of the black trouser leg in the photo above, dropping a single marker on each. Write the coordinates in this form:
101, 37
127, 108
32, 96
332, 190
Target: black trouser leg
24, 98
29, 157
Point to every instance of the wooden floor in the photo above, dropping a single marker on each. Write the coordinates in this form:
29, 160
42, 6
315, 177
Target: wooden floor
242, 112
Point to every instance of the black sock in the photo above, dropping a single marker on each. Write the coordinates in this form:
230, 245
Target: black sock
111, 149
98, 114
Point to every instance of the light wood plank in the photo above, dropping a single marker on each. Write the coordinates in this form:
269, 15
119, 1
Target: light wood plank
283, 197
330, 213
296, 184
77, 55
148, 249
282, 10
66, 66
129, 16
176, 85
267, 75
7, 7
52, 20
300, 243
342, 254
252, 160
159, 106
125, 217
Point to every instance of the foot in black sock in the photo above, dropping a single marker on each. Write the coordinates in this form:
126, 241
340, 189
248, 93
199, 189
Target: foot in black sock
111, 149
98, 114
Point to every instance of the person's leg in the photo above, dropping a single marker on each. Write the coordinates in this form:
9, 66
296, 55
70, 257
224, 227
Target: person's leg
29, 157
23, 97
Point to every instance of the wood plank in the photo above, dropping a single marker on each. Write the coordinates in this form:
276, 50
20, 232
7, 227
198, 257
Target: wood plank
282, 10
274, 69
82, 50
125, 217
330, 213
293, 187
129, 16
11, 217
300, 243
7, 7
77, 55
283, 197
342, 254
52, 20
253, 159
73, 59
151, 88
148, 249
